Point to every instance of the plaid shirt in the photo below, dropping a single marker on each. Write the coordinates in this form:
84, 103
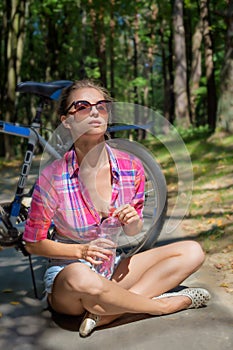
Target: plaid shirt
61, 197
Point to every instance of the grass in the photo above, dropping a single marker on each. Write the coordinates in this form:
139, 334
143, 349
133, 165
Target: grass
210, 213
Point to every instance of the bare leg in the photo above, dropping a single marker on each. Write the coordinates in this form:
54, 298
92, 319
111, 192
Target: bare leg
77, 287
158, 270
89, 291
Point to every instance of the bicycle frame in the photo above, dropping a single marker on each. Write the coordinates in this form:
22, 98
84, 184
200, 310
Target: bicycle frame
34, 138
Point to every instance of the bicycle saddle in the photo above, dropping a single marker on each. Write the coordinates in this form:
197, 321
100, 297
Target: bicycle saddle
51, 90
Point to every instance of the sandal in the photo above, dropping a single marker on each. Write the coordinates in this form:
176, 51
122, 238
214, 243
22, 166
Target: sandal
89, 322
198, 296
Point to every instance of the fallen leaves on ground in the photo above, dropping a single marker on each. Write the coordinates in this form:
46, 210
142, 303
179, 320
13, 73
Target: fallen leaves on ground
14, 302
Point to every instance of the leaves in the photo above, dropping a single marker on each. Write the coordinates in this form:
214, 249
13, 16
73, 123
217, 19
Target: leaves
15, 303
8, 290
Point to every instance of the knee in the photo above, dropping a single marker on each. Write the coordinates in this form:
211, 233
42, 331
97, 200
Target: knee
83, 280
195, 255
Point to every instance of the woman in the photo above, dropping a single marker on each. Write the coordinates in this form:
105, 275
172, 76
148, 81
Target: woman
92, 182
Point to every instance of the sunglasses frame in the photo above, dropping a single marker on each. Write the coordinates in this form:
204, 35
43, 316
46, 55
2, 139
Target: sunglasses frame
90, 105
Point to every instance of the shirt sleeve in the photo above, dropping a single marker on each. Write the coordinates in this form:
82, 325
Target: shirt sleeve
43, 205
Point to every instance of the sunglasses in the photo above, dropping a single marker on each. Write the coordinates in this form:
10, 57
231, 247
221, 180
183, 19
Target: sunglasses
83, 108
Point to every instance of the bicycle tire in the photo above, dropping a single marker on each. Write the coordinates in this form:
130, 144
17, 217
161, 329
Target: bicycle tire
155, 206
12, 237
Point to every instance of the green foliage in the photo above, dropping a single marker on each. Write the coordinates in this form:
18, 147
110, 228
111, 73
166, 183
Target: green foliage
61, 41
91, 68
194, 133
139, 82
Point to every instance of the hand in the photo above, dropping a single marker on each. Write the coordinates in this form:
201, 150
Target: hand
126, 214
97, 251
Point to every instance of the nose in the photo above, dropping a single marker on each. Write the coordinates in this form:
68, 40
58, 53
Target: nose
94, 111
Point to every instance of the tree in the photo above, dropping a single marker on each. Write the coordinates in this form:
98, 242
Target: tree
14, 24
209, 64
225, 106
196, 66
137, 49
180, 80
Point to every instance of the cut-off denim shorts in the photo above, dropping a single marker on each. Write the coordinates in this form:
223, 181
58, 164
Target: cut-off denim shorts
53, 271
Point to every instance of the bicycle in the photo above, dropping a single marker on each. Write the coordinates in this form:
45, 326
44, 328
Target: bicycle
13, 214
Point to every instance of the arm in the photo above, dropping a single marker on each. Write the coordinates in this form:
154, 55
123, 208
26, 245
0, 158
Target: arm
44, 204
52, 249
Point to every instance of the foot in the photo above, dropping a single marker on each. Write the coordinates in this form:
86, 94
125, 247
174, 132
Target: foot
199, 296
89, 322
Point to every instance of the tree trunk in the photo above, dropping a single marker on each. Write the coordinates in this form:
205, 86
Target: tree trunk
168, 75
16, 13
135, 57
195, 74
180, 81
97, 23
111, 44
225, 104
209, 64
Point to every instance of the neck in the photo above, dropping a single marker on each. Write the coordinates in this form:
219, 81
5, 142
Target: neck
91, 152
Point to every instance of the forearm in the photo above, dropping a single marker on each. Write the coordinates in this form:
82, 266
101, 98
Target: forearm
91, 252
52, 249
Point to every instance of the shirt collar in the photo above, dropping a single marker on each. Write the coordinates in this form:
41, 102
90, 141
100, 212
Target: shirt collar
72, 162
73, 166
113, 162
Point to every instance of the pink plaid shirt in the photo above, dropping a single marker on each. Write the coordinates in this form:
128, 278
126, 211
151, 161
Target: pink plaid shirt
60, 197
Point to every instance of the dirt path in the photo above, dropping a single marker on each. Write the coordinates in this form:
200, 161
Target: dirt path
211, 222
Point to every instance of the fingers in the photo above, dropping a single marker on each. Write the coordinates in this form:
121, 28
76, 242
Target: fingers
103, 243
126, 214
95, 254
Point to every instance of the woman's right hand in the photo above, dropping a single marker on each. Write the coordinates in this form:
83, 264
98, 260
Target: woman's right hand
97, 251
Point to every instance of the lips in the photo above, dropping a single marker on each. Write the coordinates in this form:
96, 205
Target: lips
95, 122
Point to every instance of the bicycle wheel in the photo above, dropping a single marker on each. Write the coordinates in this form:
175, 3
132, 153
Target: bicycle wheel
155, 206
12, 237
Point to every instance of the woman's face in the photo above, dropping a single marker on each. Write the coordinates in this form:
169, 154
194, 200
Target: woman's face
87, 113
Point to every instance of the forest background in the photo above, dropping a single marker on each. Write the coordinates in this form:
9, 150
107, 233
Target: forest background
173, 56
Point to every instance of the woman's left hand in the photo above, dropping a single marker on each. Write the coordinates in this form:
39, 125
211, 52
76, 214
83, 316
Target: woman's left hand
126, 214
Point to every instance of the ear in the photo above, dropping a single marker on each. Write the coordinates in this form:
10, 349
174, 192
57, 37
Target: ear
66, 121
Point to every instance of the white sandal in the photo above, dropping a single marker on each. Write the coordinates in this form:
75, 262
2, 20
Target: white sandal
89, 322
198, 296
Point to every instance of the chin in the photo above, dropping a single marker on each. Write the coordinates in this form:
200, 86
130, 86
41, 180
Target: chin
97, 131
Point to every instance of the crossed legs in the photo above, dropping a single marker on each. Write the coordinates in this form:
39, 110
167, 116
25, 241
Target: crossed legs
135, 282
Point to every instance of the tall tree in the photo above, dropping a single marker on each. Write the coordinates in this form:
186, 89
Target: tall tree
209, 64
99, 35
180, 80
225, 107
16, 13
111, 47
196, 67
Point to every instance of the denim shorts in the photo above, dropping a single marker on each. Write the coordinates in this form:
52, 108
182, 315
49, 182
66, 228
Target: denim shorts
53, 271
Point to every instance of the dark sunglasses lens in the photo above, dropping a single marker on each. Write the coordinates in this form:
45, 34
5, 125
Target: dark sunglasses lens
103, 107
83, 107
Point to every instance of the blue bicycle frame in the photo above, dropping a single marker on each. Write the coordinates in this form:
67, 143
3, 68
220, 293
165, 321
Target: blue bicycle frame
33, 138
